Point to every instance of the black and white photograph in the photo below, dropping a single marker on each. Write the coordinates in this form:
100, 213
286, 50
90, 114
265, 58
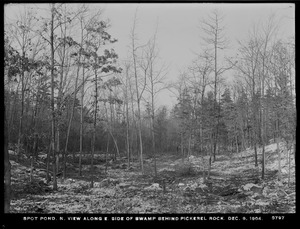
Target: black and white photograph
153, 111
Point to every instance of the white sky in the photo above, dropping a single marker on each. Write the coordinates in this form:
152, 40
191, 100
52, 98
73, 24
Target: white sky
179, 34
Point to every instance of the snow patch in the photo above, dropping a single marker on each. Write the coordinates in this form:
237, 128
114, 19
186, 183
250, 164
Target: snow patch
153, 187
249, 186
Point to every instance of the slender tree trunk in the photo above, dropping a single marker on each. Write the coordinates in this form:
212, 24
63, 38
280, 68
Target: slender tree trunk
215, 94
138, 96
278, 150
13, 110
127, 135
181, 146
31, 168
203, 170
48, 163
106, 153
111, 129
94, 131
35, 135
7, 170
152, 121
20, 135
236, 144
189, 144
210, 154
81, 124
289, 148
70, 121
57, 148
153, 139
263, 162
52, 98
127, 116
262, 140
134, 131
140, 133
115, 143
254, 132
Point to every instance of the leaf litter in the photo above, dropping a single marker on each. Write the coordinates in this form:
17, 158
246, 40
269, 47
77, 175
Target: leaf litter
235, 186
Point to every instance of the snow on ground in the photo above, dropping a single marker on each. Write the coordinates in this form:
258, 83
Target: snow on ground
128, 191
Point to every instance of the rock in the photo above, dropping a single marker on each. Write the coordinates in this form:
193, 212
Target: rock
187, 189
133, 188
70, 180
114, 181
251, 186
43, 156
11, 152
130, 168
123, 185
279, 183
199, 190
104, 183
153, 187
191, 157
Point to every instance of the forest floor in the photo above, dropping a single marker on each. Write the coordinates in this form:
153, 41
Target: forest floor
235, 186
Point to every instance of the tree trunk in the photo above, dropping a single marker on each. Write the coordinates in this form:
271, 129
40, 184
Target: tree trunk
236, 144
278, 150
106, 153
263, 162
35, 138
57, 149
12, 110
7, 170
189, 144
152, 124
204, 167
181, 146
20, 135
94, 131
116, 144
289, 148
48, 163
127, 117
153, 142
255, 154
31, 168
52, 98
127, 136
236, 140
138, 96
70, 121
210, 155
215, 94
81, 124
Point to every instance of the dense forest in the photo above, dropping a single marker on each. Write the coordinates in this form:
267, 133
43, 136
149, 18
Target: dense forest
74, 111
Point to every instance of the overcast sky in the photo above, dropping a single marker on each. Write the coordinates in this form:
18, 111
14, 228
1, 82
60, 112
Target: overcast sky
178, 28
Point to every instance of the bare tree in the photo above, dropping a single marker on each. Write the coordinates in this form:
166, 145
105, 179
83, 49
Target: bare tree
247, 65
215, 37
139, 92
201, 69
126, 92
156, 76
23, 36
